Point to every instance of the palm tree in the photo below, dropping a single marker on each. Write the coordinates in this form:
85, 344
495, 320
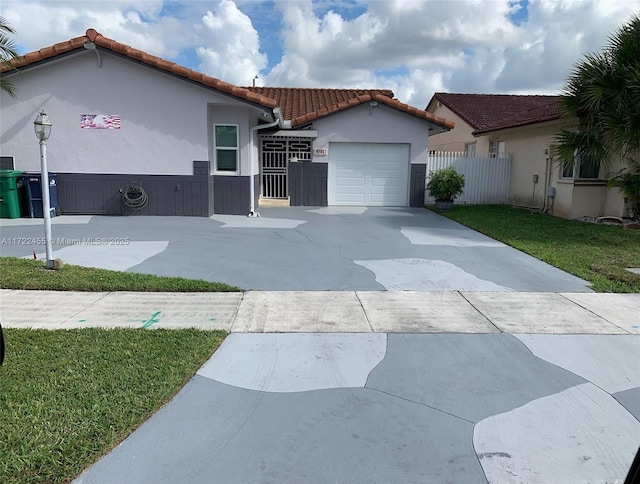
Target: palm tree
603, 94
8, 52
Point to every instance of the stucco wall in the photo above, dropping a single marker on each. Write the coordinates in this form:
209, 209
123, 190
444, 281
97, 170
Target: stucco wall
165, 121
383, 125
615, 204
527, 146
455, 139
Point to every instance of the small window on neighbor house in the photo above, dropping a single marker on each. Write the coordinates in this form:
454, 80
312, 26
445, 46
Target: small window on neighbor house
496, 148
470, 149
493, 149
225, 141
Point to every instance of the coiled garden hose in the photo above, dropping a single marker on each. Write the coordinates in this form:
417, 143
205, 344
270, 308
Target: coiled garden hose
135, 197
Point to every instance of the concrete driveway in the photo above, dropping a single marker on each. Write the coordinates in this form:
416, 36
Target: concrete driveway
386, 408
297, 248
480, 401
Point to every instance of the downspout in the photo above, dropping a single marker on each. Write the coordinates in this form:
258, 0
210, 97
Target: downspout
252, 189
547, 180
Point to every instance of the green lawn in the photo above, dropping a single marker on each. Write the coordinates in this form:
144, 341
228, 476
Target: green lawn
31, 274
68, 397
597, 253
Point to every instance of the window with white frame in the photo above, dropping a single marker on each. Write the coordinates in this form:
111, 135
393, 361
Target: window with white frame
225, 147
470, 149
496, 148
582, 168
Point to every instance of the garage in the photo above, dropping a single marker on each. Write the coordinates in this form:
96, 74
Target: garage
370, 174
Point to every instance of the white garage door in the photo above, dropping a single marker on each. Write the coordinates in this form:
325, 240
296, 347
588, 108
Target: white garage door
372, 174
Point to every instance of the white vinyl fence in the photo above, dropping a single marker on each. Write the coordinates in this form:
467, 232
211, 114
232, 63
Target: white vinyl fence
486, 178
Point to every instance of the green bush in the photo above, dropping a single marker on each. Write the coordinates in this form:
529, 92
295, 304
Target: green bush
445, 184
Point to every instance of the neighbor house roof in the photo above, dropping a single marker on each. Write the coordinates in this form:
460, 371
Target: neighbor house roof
298, 105
491, 112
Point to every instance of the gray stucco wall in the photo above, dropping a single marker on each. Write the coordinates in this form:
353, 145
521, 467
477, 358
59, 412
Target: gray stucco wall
417, 184
197, 195
231, 194
382, 124
308, 184
166, 122
100, 194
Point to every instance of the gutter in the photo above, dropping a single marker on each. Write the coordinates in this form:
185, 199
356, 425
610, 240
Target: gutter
281, 123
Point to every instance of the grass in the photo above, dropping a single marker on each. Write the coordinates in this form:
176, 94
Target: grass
18, 273
68, 397
599, 254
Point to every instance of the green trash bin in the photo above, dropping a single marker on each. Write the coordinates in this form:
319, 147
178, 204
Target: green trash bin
11, 198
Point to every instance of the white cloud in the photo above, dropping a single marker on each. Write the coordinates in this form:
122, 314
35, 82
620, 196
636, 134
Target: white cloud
427, 39
138, 24
456, 46
231, 49
414, 47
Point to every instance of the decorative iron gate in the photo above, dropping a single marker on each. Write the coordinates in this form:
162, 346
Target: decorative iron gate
276, 152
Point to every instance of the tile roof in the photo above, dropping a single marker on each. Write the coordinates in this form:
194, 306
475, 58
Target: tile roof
491, 112
298, 104
77, 43
303, 105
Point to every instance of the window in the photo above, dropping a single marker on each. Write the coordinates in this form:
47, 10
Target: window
225, 147
470, 149
496, 148
582, 168
493, 149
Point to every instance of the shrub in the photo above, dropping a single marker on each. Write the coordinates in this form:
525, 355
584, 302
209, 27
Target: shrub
445, 184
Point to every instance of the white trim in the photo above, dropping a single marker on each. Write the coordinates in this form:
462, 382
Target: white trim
226, 148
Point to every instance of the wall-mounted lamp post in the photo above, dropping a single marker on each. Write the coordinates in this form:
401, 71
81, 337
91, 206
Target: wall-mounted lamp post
42, 126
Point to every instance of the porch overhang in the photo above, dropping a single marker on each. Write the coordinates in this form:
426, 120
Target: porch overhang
296, 133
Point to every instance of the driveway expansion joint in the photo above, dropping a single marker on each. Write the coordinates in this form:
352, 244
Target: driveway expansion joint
480, 312
364, 311
84, 309
421, 404
235, 314
592, 312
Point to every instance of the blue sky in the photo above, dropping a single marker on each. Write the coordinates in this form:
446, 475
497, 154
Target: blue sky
413, 47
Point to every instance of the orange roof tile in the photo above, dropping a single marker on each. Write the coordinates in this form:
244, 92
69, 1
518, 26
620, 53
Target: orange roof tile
138, 55
300, 105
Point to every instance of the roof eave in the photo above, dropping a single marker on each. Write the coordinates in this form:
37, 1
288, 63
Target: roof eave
104, 44
493, 129
435, 122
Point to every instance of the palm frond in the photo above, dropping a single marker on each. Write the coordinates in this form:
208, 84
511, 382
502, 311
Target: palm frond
603, 93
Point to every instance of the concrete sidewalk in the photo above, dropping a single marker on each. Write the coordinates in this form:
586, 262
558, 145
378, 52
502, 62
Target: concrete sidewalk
328, 312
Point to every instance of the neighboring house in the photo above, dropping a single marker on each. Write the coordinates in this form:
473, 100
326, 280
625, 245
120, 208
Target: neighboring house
524, 126
198, 145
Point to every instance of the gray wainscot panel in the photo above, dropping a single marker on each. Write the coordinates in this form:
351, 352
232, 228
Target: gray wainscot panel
417, 185
308, 184
231, 194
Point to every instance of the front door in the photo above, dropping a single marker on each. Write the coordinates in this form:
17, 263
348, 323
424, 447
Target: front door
276, 153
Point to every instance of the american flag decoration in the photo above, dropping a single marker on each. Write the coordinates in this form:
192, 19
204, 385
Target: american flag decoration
100, 121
